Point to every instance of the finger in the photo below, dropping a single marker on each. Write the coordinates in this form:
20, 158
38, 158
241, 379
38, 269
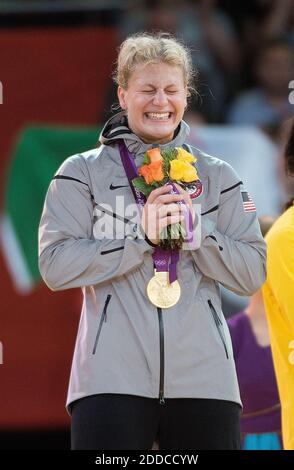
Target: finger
171, 219
185, 200
167, 198
156, 192
166, 209
180, 188
177, 185
185, 194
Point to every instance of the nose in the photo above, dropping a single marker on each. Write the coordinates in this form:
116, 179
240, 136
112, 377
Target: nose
160, 98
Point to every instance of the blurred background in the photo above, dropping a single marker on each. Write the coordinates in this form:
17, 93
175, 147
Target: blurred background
56, 60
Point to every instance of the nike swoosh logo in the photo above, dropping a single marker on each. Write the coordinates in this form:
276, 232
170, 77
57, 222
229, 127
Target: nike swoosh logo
116, 187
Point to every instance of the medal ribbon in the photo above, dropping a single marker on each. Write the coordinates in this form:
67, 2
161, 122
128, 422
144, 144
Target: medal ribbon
190, 239
164, 260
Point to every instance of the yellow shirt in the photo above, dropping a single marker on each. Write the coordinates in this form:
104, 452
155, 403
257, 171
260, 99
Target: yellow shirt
278, 294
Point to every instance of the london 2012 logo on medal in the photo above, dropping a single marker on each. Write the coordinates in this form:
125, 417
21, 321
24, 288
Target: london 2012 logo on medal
194, 189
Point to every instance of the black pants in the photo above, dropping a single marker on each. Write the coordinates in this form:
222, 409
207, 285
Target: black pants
129, 422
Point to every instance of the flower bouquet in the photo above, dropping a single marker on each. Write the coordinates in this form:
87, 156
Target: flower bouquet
159, 168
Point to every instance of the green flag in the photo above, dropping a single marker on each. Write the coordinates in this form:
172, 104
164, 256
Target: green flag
38, 154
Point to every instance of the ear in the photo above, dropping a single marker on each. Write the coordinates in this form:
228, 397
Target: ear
121, 92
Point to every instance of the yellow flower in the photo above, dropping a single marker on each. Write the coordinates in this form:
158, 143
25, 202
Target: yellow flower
181, 170
185, 156
176, 169
190, 173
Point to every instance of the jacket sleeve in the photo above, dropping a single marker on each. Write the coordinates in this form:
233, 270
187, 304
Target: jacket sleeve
69, 255
232, 250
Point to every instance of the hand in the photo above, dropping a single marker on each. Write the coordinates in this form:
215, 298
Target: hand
161, 209
187, 199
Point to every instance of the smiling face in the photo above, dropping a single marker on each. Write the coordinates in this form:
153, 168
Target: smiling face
155, 101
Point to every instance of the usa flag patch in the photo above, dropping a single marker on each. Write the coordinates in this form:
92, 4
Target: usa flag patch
248, 204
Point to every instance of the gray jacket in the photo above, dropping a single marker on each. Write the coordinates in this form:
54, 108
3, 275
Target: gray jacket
125, 344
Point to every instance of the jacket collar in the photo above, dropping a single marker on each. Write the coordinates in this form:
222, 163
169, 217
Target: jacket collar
117, 128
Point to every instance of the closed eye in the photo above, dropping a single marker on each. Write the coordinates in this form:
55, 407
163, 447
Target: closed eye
167, 91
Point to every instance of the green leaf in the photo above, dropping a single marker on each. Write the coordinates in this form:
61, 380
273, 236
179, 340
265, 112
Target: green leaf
168, 155
142, 186
163, 233
146, 159
182, 231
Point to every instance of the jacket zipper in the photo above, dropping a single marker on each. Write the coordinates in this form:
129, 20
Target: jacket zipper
161, 348
105, 252
219, 324
103, 317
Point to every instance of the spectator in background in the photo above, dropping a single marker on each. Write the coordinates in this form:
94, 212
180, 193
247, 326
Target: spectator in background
261, 418
286, 179
279, 303
267, 105
280, 20
257, 20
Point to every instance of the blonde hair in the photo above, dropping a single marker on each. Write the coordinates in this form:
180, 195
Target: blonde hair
146, 48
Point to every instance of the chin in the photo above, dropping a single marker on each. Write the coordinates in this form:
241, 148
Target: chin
157, 135
157, 139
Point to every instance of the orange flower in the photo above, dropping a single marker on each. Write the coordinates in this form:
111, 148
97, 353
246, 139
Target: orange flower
152, 172
154, 155
157, 170
145, 171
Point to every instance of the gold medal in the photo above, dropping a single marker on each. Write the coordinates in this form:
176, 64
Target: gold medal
161, 292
